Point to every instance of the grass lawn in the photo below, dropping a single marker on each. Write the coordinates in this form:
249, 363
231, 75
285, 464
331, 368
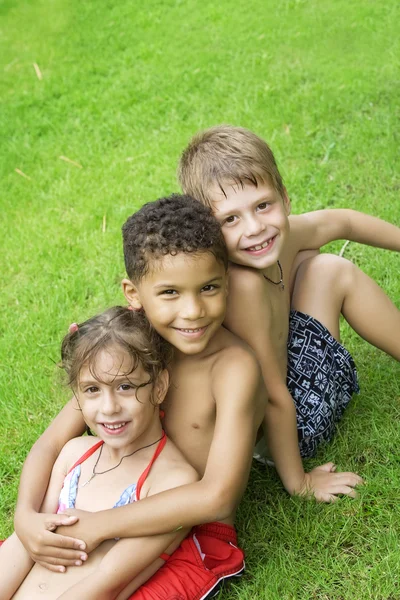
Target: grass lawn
119, 88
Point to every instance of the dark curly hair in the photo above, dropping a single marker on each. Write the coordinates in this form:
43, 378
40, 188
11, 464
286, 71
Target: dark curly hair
117, 327
170, 226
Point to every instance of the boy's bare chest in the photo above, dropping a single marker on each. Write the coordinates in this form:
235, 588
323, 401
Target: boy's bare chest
190, 412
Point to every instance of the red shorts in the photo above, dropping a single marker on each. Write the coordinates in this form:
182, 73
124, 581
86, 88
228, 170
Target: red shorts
198, 568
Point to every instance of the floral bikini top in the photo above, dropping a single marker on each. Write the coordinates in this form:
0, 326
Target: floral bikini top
69, 490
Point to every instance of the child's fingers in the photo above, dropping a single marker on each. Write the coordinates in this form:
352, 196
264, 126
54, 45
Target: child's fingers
52, 564
53, 521
351, 479
66, 542
328, 498
51, 567
55, 557
345, 490
58, 550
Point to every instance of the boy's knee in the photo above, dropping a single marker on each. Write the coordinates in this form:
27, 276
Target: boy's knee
328, 267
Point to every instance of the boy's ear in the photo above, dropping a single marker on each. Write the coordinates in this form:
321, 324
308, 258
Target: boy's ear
161, 387
131, 294
286, 202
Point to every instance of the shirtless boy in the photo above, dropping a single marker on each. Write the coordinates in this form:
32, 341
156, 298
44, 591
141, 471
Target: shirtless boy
176, 261
286, 302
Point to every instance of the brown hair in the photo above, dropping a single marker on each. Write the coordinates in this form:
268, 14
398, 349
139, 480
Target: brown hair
117, 327
225, 154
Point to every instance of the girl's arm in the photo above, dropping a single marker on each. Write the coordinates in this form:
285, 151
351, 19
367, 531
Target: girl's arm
15, 562
317, 228
36, 530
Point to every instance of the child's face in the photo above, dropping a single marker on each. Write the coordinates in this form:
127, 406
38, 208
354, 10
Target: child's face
254, 223
112, 406
184, 298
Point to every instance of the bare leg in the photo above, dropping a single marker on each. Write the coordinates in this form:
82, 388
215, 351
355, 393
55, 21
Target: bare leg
15, 564
328, 285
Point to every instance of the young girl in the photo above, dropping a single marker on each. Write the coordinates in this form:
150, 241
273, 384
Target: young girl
116, 366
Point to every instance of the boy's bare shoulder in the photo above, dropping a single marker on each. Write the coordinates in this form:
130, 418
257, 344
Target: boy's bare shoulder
247, 295
233, 356
245, 278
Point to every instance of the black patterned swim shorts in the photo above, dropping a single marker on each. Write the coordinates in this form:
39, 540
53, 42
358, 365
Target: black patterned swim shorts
321, 378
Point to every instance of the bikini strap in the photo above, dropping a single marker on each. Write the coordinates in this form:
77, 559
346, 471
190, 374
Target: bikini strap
86, 455
158, 450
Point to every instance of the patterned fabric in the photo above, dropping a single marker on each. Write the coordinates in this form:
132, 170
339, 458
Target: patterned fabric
321, 378
69, 492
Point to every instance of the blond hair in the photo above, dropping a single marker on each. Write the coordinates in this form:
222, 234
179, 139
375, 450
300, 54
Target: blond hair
225, 155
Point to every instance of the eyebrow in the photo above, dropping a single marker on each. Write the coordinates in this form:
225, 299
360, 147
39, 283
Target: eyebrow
127, 376
174, 285
232, 211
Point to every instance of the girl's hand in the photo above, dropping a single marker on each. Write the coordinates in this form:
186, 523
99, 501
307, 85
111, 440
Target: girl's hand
51, 550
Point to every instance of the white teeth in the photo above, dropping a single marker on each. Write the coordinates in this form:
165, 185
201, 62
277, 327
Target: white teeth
114, 426
192, 330
260, 246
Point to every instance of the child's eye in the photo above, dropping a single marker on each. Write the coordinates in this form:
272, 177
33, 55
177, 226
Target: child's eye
168, 292
263, 205
125, 387
210, 287
230, 219
91, 389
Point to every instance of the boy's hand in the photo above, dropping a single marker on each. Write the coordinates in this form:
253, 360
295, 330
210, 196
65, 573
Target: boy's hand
52, 551
325, 485
82, 529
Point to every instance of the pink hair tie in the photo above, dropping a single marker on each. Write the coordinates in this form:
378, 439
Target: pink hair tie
73, 327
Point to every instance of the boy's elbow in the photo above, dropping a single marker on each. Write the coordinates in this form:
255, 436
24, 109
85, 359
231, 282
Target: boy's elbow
220, 504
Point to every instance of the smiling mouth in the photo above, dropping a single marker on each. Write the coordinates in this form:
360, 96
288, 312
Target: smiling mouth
262, 246
195, 332
114, 426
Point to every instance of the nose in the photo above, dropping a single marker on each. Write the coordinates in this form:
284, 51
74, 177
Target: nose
109, 404
253, 226
192, 308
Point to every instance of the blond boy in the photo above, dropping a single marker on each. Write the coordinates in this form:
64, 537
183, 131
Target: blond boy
286, 302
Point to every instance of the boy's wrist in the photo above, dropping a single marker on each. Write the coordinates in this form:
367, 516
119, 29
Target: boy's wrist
22, 514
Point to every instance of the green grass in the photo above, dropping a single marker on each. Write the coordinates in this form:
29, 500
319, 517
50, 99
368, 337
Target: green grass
125, 85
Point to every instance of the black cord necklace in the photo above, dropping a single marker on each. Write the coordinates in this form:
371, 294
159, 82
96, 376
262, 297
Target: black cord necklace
280, 282
93, 475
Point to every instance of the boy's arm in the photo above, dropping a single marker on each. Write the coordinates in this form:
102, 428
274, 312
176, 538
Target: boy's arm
238, 415
131, 562
315, 229
248, 316
35, 530
119, 573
